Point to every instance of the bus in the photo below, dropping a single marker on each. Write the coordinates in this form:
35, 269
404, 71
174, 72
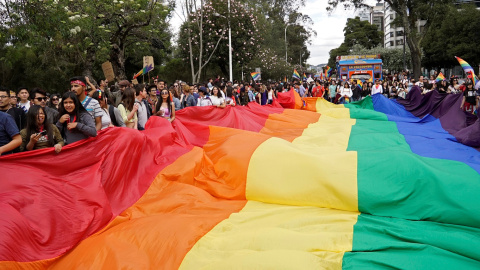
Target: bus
359, 67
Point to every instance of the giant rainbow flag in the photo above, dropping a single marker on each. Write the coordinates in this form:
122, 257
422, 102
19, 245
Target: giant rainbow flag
373, 184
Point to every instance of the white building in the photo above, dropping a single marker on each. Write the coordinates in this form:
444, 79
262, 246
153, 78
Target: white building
394, 36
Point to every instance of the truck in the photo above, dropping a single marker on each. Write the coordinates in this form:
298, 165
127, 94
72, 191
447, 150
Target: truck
359, 67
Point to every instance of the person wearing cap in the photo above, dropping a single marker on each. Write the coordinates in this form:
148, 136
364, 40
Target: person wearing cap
78, 85
116, 97
203, 100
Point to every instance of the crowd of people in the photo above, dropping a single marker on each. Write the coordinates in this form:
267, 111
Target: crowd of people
31, 120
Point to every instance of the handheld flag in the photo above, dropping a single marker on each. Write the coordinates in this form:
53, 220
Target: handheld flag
360, 84
440, 77
328, 72
304, 76
145, 70
295, 74
285, 79
256, 76
469, 71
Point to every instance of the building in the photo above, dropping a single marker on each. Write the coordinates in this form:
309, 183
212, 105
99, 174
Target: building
364, 14
376, 16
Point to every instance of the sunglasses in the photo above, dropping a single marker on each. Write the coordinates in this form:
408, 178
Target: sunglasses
41, 99
164, 93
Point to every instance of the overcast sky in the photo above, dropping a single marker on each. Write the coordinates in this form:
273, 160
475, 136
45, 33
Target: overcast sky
329, 28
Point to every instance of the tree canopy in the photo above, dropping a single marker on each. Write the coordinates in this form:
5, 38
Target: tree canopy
451, 36
356, 32
409, 13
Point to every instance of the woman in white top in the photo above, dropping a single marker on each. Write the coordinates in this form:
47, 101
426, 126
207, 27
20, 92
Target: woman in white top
102, 100
271, 95
217, 98
345, 93
454, 87
203, 100
401, 91
377, 88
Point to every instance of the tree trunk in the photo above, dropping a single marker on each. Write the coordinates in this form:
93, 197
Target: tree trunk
117, 58
410, 31
416, 56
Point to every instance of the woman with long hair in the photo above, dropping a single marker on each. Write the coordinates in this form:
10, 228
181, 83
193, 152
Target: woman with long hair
165, 106
454, 87
175, 95
102, 100
54, 101
217, 98
401, 91
345, 94
75, 122
128, 108
39, 133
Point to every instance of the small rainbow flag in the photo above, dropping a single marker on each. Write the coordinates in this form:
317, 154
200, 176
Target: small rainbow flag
468, 69
440, 77
360, 84
285, 79
145, 70
304, 76
295, 74
256, 76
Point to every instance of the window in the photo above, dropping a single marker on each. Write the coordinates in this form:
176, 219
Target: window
391, 34
399, 33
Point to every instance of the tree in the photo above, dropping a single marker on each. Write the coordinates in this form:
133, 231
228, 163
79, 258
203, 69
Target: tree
356, 32
362, 33
409, 13
75, 37
452, 36
203, 35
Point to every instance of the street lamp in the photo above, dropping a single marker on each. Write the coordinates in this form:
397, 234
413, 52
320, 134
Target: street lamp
286, 51
229, 42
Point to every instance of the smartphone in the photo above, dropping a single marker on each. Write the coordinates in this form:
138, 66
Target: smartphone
43, 133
